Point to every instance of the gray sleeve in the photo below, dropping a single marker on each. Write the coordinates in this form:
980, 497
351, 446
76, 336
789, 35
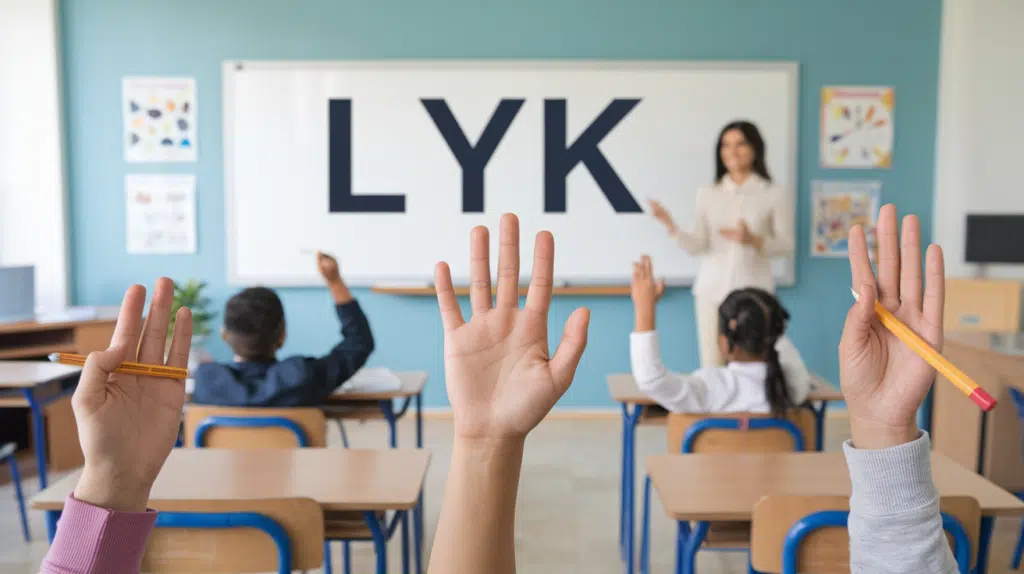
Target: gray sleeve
895, 525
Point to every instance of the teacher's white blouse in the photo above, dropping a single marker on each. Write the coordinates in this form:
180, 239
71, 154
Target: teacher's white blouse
726, 265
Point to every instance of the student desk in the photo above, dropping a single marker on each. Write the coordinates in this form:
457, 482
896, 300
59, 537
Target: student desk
35, 385
346, 404
989, 443
338, 479
695, 487
639, 408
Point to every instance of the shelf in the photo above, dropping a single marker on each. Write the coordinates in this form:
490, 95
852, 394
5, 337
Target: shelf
580, 290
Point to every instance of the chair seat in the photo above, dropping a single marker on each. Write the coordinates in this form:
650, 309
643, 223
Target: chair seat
728, 535
347, 526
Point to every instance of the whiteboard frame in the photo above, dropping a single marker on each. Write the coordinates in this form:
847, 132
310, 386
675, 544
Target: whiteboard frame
231, 67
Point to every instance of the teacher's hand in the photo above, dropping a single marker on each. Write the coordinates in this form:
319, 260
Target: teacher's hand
741, 234
661, 214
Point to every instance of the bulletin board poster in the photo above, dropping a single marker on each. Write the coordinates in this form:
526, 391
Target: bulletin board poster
857, 128
159, 119
838, 206
161, 213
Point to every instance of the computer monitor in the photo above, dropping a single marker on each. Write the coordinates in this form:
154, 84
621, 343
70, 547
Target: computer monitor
995, 239
17, 294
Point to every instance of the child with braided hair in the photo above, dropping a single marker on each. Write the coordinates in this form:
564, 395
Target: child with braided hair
764, 372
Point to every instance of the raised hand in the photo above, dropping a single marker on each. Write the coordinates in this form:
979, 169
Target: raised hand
127, 424
645, 291
661, 214
501, 379
883, 381
328, 267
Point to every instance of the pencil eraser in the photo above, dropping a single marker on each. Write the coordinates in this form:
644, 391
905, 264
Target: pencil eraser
982, 399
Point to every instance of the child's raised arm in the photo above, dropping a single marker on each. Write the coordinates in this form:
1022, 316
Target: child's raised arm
501, 383
127, 426
895, 525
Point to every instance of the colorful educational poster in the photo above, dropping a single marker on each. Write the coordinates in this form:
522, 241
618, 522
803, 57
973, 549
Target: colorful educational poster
836, 207
159, 119
161, 213
856, 127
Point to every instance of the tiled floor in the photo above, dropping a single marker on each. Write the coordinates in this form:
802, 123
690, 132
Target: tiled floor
568, 502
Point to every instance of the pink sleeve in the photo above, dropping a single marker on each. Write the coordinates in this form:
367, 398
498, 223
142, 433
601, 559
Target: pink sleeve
93, 540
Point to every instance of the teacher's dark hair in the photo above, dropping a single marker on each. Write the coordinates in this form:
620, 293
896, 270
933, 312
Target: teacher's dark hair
753, 137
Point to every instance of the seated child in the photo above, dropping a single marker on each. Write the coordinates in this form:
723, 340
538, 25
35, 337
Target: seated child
763, 373
254, 328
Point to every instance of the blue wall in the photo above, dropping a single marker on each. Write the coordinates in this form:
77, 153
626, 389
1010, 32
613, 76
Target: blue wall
104, 40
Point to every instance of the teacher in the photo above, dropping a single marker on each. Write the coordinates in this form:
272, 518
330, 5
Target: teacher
742, 222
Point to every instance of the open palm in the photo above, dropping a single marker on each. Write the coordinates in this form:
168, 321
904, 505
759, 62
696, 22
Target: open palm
500, 376
127, 423
883, 380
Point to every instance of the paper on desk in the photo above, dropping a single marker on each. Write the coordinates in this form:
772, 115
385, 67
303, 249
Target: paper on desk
371, 379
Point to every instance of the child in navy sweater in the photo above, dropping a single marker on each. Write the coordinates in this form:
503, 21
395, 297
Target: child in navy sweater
254, 328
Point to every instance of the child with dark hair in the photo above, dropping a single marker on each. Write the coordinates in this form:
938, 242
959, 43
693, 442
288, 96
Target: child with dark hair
763, 373
254, 328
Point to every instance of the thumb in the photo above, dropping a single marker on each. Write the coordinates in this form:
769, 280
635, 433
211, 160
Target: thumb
570, 348
861, 316
659, 287
93, 381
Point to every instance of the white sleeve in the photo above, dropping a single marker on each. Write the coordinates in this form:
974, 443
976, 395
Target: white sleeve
675, 392
779, 241
798, 378
698, 241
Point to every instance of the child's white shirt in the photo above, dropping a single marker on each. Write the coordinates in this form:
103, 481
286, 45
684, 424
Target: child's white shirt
736, 387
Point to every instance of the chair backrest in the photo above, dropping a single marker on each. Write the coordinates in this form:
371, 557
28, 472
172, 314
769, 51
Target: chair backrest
1018, 400
982, 305
826, 549
750, 439
254, 428
221, 536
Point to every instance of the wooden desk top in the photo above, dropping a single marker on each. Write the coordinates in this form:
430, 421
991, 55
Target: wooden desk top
412, 385
103, 315
727, 486
1003, 343
21, 374
338, 479
623, 389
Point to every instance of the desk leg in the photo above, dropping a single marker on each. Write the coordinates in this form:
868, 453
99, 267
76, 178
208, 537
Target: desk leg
417, 534
389, 414
52, 516
690, 546
629, 479
622, 488
405, 542
987, 524
418, 512
39, 436
819, 419
379, 534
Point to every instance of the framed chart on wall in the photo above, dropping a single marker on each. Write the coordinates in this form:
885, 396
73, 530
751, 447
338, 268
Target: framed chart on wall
857, 127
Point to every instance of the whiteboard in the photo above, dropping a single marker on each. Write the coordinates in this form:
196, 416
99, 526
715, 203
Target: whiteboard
279, 153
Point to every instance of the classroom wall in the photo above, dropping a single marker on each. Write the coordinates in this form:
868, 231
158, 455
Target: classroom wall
979, 124
105, 40
32, 194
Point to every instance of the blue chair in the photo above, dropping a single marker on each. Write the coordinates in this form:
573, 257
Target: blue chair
7, 455
783, 527
295, 527
1018, 551
246, 428
699, 433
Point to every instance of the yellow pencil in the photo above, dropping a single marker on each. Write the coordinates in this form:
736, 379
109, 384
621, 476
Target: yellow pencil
936, 360
126, 368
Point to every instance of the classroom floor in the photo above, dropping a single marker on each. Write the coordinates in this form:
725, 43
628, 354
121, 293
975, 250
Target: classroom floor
568, 503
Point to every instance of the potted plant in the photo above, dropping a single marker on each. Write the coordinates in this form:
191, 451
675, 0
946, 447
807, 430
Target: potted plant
190, 294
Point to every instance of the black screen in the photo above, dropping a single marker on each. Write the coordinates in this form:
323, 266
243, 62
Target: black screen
995, 239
